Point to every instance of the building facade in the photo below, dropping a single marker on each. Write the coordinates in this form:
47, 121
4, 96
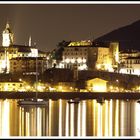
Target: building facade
130, 61
96, 85
12, 86
27, 65
9, 51
87, 56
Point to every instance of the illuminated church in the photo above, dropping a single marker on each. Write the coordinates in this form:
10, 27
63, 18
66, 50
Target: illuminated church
19, 58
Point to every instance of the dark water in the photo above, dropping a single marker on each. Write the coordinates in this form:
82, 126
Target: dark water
60, 118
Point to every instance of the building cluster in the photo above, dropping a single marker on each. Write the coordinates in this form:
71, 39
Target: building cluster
90, 55
19, 58
85, 55
130, 62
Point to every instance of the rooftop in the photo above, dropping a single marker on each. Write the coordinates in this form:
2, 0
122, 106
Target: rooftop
27, 58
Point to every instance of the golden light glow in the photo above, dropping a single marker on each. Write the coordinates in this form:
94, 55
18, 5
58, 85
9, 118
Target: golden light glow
110, 117
60, 118
52, 89
40, 88
67, 60
12, 86
72, 120
27, 124
7, 36
99, 123
108, 67
72, 60
34, 52
99, 88
137, 120
81, 43
117, 118
6, 40
5, 120
122, 118
98, 66
67, 120
111, 87
22, 122
84, 118
79, 120
94, 117
3, 64
50, 115
28, 87
60, 88
84, 60
82, 67
106, 118
20, 79
39, 128
79, 60
97, 85
6, 87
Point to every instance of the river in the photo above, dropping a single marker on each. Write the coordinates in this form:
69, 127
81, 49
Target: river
61, 118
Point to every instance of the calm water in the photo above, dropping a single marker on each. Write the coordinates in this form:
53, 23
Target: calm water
59, 118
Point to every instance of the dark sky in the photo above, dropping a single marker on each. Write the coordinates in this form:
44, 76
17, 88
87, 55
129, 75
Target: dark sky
49, 24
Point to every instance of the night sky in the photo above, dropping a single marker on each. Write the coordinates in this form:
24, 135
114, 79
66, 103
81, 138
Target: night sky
49, 24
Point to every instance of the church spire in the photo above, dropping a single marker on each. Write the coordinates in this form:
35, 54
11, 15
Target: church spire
30, 41
7, 25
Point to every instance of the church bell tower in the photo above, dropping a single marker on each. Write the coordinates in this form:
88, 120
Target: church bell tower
7, 36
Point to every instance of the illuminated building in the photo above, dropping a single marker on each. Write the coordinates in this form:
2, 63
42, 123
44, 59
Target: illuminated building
7, 36
9, 50
130, 61
96, 85
103, 59
65, 86
87, 56
76, 53
27, 65
12, 86
108, 58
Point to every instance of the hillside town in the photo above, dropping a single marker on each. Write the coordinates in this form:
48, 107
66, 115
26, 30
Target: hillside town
83, 66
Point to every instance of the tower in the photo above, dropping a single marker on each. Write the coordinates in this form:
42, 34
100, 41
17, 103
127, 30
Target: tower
30, 41
7, 40
114, 54
7, 36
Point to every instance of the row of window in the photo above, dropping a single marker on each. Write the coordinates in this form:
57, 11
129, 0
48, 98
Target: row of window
27, 67
74, 58
75, 49
75, 53
130, 71
10, 52
132, 62
12, 89
20, 55
26, 63
11, 85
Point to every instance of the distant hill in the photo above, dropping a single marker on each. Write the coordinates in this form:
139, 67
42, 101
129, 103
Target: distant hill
128, 36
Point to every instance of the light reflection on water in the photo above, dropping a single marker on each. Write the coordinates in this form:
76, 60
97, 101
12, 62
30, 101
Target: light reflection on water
60, 118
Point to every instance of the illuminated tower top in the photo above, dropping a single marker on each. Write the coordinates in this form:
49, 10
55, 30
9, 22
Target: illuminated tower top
30, 41
7, 36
